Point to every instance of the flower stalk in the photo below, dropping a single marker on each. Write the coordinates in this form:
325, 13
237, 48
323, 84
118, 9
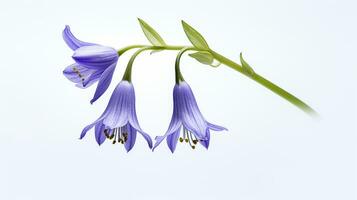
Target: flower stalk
128, 70
222, 59
178, 75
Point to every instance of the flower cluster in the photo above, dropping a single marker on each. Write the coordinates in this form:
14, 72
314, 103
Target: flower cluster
119, 123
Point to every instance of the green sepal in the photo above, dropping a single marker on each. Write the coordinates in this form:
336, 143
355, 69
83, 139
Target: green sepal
195, 37
247, 69
153, 37
204, 57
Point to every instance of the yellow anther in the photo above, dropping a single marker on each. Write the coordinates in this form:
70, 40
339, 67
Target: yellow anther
181, 139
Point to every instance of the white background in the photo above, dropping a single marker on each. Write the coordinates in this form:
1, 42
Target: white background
271, 151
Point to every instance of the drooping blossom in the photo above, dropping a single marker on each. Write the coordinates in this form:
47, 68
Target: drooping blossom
186, 115
93, 63
119, 122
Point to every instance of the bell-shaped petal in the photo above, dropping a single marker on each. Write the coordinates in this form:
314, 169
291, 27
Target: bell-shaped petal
80, 75
174, 126
99, 133
186, 114
104, 82
72, 41
129, 144
93, 78
216, 127
191, 116
134, 123
94, 63
117, 111
90, 126
119, 119
95, 56
172, 140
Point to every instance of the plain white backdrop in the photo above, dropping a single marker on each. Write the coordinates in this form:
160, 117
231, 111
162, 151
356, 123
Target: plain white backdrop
271, 151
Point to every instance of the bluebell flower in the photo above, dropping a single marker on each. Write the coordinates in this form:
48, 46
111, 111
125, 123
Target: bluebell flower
119, 122
93, 63
187, 115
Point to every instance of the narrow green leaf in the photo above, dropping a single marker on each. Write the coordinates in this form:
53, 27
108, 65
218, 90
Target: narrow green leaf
246, 67
154, 38
204, 57
194, 36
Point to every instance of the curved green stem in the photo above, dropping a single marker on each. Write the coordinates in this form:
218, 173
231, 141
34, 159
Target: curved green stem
266, 83
256, 77
168, 47
178, 74
123, 50
127, 73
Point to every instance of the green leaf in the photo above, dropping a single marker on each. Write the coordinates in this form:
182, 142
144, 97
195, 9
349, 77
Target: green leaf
195, 37
247, 69
154, 38
204, 57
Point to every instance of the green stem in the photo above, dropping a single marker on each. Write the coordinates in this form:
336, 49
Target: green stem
127, 73
178, 74
123, 50
256, 77
266, 83
168, 47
